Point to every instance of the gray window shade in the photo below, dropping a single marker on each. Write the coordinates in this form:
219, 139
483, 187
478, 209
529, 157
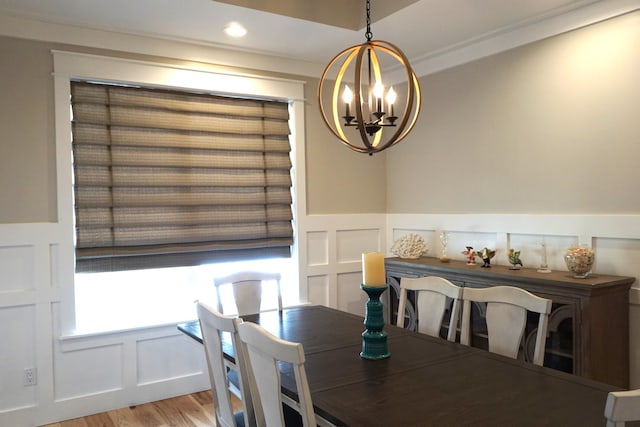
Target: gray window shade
166, 178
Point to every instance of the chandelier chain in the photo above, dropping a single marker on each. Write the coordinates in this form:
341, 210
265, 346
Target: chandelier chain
368, 34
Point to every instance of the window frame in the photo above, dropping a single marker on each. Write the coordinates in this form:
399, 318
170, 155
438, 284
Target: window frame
71, 65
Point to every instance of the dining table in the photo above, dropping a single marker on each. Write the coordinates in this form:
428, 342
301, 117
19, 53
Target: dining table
426, 381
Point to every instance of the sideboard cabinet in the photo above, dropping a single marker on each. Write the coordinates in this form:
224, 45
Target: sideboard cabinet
588, 325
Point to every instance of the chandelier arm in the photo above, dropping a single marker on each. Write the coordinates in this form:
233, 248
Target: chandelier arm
336, 89
322, 111
404, 130
412, 89
337, 131
417, 112
401, 57
373, 60
358, 96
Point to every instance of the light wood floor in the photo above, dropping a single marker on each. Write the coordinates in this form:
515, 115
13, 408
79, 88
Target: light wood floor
192, 410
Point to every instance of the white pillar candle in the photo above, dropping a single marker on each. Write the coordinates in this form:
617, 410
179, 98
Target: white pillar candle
373, 269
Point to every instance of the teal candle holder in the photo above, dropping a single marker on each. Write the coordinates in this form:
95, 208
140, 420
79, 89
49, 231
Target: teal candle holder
374, 339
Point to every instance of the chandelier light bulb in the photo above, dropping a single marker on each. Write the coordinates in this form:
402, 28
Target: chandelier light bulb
391, 96
347, 95
378, 90
391, 99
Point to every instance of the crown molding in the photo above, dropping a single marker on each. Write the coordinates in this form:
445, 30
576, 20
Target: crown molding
188, 50
524, 33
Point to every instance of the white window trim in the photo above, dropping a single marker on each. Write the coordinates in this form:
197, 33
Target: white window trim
209, 79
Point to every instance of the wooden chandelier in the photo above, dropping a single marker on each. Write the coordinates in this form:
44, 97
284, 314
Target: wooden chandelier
374, 114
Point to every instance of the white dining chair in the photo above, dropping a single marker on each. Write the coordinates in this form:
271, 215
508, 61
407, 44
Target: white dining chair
213, 324
248, 287
506, 316
264, 351
432, 296
622, 406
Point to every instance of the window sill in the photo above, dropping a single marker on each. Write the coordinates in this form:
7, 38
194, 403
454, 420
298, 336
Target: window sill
87, 340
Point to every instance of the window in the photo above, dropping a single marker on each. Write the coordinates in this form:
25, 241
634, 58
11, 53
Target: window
159, 296
164, 284
167, 178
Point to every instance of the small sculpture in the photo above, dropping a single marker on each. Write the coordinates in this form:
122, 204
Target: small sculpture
470, 254
514, 259
444, 239
544, 267
486, 255
411, 246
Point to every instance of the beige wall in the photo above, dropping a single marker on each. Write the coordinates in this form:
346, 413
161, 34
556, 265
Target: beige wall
27, 150
552, 127
336, 177
547, 128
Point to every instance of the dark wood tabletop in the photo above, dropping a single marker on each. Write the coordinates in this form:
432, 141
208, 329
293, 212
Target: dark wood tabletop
426, 381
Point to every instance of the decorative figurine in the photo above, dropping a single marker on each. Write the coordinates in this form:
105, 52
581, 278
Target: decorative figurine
514, 259
544, 267
471, 255
486, 255
411, 246
444, 239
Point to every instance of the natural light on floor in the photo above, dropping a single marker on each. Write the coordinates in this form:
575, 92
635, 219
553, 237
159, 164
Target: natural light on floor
133, 299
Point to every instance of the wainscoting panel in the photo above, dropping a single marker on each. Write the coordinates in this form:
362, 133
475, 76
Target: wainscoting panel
616, 241
457, 242
349, 244
17, 265
335, 283
318, 248
351, 298
318, 290
533, 253
156, 359
88, 371
17, 352
617, 256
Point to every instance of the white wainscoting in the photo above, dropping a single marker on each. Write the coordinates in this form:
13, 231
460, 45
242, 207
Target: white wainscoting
331, 258
84, 374
78, 375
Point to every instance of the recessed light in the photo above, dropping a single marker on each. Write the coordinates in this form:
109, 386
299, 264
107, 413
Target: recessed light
234, 29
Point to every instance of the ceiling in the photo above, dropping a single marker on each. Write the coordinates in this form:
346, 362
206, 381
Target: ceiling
308, 30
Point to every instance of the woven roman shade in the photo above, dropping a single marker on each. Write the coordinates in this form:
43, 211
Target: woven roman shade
166, 178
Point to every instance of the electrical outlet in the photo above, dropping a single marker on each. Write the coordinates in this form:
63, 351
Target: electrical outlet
30, 377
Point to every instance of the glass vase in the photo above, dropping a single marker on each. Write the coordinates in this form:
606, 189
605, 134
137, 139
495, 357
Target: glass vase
579, 260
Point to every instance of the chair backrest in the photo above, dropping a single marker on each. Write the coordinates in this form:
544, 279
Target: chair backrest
506, 317
264, 351
247, 290
212, 325
622, 406
431, 295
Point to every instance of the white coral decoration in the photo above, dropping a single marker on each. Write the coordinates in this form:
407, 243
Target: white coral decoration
409, 246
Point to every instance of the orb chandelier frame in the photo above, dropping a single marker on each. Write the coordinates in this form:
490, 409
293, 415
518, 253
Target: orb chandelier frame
377, 129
